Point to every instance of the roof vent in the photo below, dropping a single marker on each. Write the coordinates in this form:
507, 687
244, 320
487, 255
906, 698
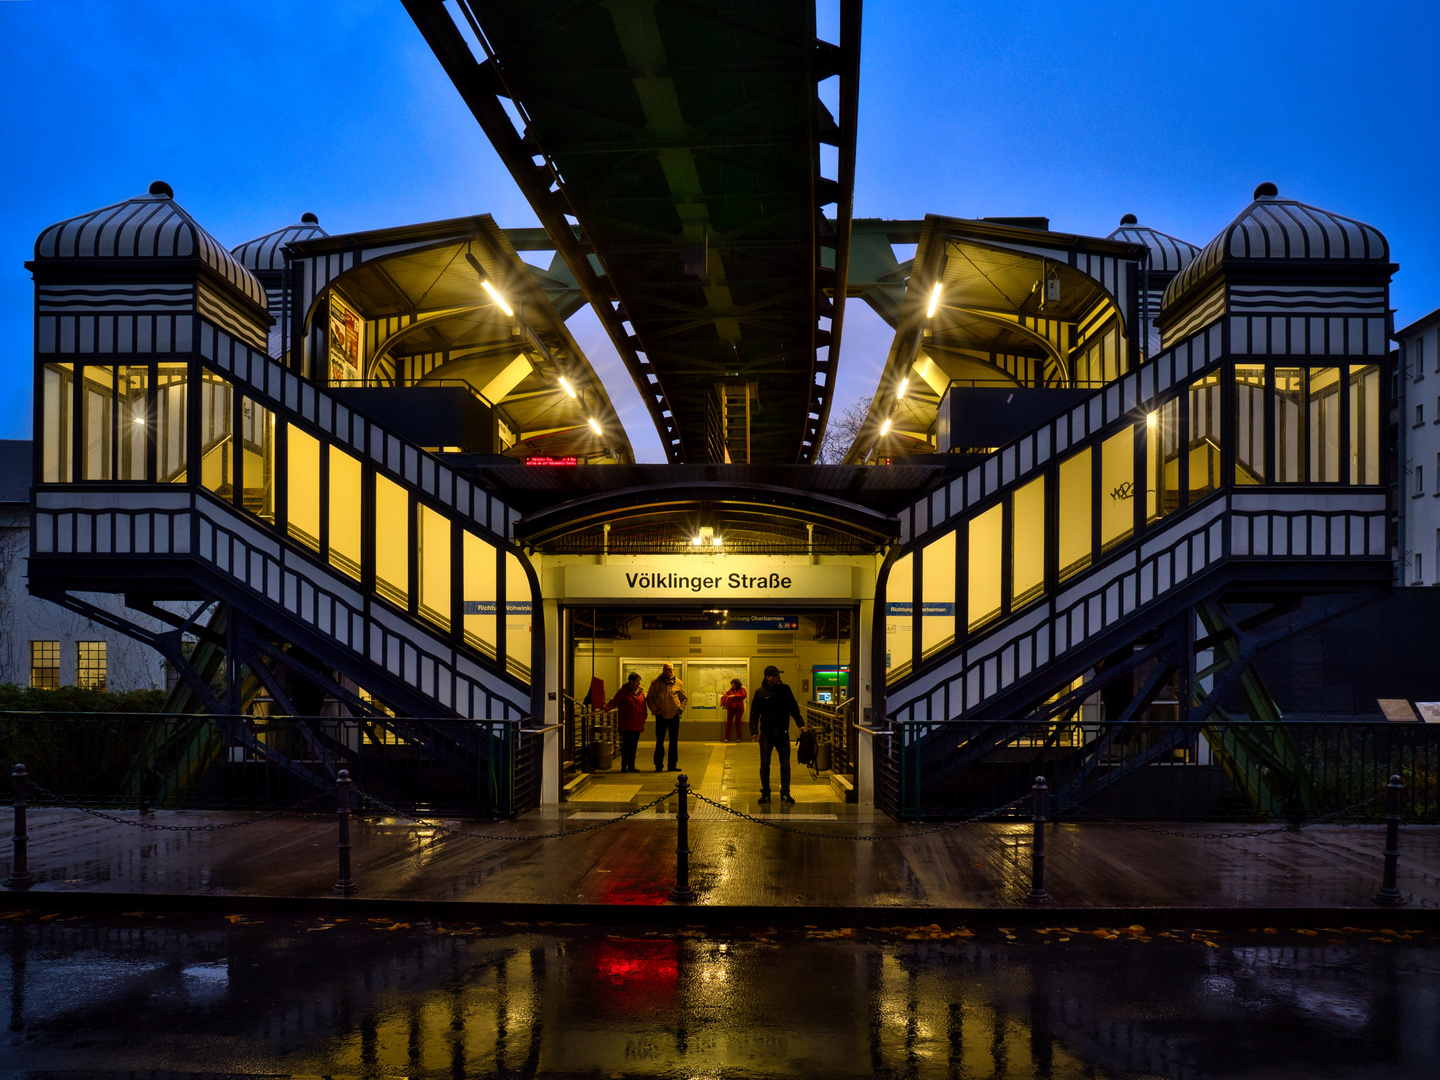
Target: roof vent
1129, 219
308, 218
164, 190
1266, 190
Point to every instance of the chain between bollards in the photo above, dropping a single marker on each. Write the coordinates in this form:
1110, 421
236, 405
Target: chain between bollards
346, 884
1389, 894
20, 876
1037, 894
682, 893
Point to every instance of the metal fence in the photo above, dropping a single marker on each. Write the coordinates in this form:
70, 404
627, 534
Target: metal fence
1222, 771
462, 767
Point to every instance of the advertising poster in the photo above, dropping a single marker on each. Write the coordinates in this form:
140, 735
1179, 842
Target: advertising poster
346, 328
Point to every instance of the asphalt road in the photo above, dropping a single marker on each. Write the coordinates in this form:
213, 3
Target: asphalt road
239, 995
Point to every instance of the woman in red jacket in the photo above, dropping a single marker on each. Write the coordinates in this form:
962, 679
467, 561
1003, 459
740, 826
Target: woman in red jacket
734, 702
630, 701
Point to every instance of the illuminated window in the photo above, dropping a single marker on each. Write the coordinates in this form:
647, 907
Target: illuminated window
1365, 425
1249, 424
302, 486
1204, 437
257, 467
97, 423
90, 665
1285, 426
899, 617
134, 420
45, 665
1324, 422
1027, 542
170, 424
1117, 488
57, 420
1162, 452
984, 567
217, 448
1077, 488
392, 541
480, 593
434, 585
937, 594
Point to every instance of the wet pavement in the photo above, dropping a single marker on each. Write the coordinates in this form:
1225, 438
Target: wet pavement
788, 862
139, 993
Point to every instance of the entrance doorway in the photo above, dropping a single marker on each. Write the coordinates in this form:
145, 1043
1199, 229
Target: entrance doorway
815, 649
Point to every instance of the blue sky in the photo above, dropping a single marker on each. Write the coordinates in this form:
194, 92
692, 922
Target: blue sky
257, 111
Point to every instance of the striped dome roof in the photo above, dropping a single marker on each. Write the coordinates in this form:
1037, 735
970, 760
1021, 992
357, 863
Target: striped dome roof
1168, 254
1283, 230
267, 252
150, 226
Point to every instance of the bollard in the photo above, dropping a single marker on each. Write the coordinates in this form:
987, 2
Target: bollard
1038, 895
1389, 894
346, 884
20, 876
682, 893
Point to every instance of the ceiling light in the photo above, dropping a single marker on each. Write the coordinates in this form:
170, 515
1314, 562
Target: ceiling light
934, 299
596, 425
698, 541
885, 427
499, 300
904, 385
566, 386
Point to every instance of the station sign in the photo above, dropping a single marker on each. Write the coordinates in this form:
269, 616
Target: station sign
720, 581
552, 462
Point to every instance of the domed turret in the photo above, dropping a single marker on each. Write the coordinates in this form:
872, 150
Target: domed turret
265, 258
267, 252
1277, 231
149, 226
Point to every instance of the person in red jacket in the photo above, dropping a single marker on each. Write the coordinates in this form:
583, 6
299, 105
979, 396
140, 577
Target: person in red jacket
630, 701
734, 702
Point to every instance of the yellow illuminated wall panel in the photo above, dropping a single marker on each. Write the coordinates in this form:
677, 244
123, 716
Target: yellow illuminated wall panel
392, 541
937, 601
984, 566
434, 586
302, 488
1028, 542
343, 508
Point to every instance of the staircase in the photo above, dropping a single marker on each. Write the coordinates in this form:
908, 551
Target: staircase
1152, 606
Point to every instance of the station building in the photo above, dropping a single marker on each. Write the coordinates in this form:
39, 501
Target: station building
1098, 472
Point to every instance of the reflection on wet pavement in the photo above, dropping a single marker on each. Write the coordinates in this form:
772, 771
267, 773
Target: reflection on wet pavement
373, 997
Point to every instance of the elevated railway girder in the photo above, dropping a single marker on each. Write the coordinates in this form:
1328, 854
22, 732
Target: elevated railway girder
677, 155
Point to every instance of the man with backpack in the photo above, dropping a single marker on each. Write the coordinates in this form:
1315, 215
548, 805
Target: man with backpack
772, 708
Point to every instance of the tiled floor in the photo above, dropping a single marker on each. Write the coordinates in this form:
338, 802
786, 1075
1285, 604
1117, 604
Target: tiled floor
729, 773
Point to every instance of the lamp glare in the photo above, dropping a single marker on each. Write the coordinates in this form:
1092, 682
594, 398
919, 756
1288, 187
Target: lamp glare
566, 386
885, 427
904, 385
499, 300
596, 425
934, 300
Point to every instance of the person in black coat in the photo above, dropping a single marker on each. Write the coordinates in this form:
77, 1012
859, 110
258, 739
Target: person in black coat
772, 707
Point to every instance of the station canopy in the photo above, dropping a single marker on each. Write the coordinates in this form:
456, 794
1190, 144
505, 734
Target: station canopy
430, 322
995, 302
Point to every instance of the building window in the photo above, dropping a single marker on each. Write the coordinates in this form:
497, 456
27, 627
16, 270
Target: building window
90, 665
1419, 569
1419, 479
1420, 359
45, 665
